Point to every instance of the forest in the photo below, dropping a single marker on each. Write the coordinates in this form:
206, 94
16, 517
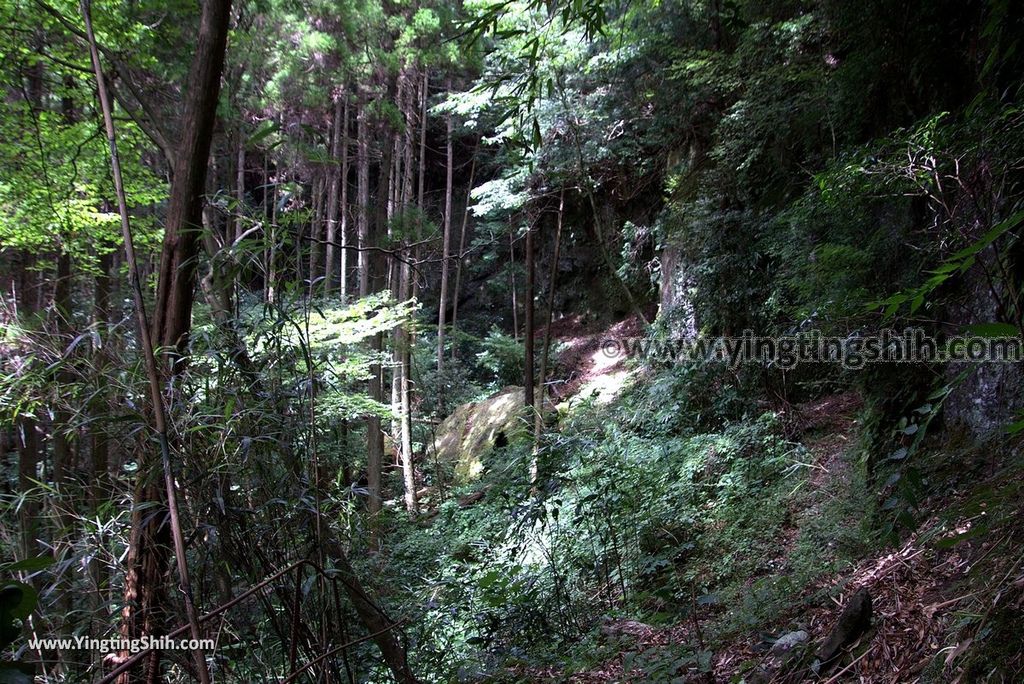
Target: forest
571, 341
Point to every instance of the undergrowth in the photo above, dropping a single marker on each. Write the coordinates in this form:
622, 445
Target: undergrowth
630, 520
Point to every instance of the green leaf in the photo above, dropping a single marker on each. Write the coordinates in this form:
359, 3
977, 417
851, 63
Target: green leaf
489, 579
899, 454
950, 542
262, 132
29, 564
991, 236
1014, 428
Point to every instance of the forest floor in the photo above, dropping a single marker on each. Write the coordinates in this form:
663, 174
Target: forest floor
581, 356
763, 530
923, 590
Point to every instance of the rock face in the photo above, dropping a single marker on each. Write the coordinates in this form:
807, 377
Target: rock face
990, 397
853, 621
676, 306
474, 430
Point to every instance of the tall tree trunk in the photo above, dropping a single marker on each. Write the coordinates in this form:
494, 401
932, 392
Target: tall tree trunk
538, 419
176, 280
240, 186
407, 137
272, 248
422, 179
405, 366
445, 253
332, 195
343, 223
395, 283
405, 340
458, 259
512, 279
528, 319
362, 198
27, 436
145, 612
99, 482
375, 264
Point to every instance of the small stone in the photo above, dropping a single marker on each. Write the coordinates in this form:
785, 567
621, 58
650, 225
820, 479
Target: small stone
787, 642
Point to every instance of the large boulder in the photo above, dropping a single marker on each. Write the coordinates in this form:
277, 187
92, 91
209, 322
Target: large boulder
474, 430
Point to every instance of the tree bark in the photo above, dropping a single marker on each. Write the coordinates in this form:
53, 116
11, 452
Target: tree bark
538, 419
512, 279
445, 254
240, 187
332, 195
145, 610
458, 259
422, 175
376, 274
176, 279
405, 339
343, 222
528, 378
362, 199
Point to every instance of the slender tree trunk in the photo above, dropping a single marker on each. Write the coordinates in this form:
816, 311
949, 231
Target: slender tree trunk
240, 187
528, 378
268, 229
538, 419
458, 260
408, 468
343, 226
422, 180
512, 279
145, 611
374, 436
445, 254
362, 199
407, 138
395, 285
332, 195
272, 248
405, 288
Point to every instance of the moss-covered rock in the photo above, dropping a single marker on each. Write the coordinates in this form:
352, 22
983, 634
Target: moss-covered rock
473, 430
